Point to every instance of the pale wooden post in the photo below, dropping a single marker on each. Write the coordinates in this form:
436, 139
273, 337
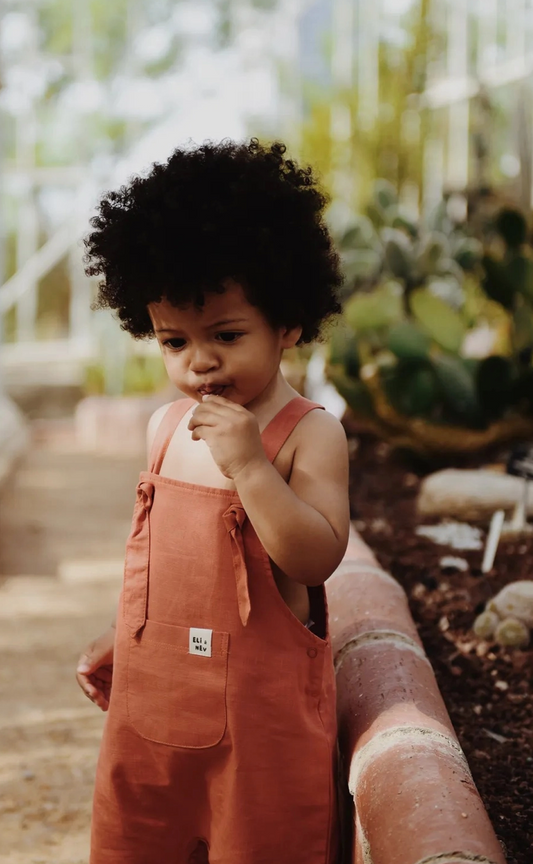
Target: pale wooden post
459, 110
341, 115
27, 217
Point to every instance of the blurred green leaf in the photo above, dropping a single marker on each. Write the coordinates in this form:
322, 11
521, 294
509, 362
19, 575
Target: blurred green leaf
360, 264
408, 342
459, 390
439, 321
411, 388
433, 249
385, 194
398, 259
375, 311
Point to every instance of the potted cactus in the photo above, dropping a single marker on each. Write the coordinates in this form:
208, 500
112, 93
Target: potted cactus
435, 347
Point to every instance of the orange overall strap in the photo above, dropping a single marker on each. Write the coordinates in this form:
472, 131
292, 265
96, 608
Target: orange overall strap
165, 431
273, 437
281, 426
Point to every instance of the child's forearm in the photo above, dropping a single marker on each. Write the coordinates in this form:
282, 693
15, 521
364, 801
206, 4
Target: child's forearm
298, 538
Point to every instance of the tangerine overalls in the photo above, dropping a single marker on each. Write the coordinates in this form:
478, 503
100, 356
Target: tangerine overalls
220, 738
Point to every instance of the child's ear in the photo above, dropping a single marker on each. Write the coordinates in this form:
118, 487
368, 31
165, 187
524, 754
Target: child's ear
290, 336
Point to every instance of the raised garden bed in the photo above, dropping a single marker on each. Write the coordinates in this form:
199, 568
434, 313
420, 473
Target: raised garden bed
488, 690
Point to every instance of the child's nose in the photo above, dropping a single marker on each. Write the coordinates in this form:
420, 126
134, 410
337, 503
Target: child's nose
203, 360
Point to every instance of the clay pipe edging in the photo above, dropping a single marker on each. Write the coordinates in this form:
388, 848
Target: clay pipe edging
415, 799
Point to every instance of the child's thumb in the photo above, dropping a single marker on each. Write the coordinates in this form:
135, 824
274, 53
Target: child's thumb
84, 664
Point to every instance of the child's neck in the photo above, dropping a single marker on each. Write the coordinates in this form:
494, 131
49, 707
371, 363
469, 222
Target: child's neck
272, 399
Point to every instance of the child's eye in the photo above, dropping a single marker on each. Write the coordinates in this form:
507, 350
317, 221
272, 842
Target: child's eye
174, 343
228, 336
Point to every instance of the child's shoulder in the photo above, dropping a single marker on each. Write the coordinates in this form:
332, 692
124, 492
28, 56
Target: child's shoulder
154, 423
320, 418
319, 430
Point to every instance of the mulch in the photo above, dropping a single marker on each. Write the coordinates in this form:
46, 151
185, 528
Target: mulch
488, 690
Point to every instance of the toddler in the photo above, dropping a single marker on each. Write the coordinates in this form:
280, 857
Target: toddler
220, 739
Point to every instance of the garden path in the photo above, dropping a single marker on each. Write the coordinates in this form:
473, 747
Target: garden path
64, 519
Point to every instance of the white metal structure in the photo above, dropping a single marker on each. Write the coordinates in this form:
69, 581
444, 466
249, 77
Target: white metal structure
489, 45
211, 95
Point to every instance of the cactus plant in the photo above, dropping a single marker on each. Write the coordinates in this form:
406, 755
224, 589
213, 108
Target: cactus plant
512, 633
408, 342
386, 243
376, 311
411, 387
485, 624
438, 320
442, 337
508, 617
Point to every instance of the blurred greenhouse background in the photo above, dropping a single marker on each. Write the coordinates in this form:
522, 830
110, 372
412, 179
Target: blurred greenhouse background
417, 114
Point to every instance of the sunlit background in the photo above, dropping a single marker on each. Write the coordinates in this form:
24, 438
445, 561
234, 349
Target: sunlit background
431, 95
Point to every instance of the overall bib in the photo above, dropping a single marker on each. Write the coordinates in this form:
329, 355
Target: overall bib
220, 738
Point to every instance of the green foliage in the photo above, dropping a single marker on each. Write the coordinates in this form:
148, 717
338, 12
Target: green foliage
141, 375
436, 345
408, 342
384, 242
438, 319
458, 391
376, 311
411, 387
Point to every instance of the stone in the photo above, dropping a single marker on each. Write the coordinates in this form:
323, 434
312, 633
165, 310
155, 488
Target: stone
458, 535
515, 601
470, 494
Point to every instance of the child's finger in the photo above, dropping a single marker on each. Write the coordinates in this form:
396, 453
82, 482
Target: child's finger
205, 416
86, 662
101, 699
103, 674
84, 682
212, 397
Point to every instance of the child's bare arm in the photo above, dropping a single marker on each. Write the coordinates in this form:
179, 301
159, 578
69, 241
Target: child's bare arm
303, 525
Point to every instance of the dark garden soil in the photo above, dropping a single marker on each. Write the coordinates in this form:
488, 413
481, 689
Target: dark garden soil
488, 690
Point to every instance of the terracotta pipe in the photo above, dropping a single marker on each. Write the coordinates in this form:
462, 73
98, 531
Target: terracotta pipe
415, 799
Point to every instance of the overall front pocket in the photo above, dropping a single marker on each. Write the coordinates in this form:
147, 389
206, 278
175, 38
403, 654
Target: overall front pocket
176, 697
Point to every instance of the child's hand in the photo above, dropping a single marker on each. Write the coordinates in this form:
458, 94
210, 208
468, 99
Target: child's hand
95, 669
231, 433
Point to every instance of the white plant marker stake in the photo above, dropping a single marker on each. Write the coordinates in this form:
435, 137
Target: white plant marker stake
518, 520
496, 525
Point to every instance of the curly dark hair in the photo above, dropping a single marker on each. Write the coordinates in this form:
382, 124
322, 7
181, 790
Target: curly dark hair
229, 210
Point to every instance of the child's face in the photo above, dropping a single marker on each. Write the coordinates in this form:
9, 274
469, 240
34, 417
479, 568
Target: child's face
227, 347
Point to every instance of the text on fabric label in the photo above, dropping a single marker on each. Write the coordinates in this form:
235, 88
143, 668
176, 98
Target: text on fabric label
200, 641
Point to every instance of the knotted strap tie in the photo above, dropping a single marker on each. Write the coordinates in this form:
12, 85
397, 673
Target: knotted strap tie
138, 560
234, 519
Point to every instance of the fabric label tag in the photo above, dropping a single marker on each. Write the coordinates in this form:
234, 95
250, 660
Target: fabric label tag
200, 641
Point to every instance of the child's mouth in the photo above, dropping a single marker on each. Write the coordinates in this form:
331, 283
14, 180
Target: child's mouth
212, 390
